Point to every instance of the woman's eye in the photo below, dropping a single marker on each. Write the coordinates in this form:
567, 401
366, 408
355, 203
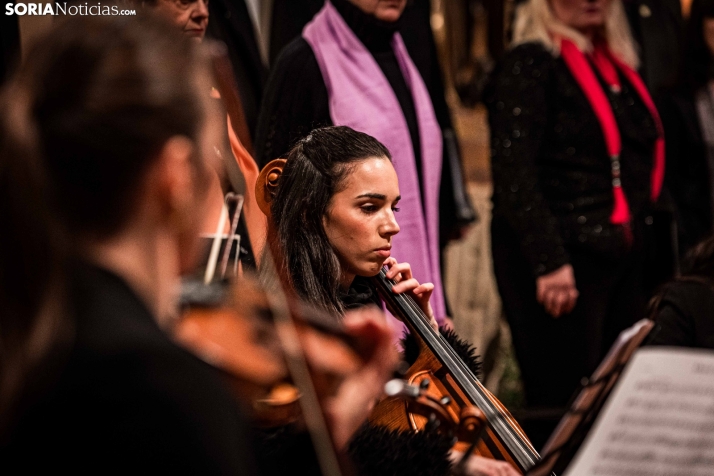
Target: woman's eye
369, 208
396, 209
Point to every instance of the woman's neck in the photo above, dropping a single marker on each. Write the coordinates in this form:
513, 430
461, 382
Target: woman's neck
589, 33
148, 262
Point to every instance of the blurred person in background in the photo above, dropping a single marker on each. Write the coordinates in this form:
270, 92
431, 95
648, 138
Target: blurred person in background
231, 23
688, 117
351, 68
191, 17
456, 213
683, 308
657, 27
577, 163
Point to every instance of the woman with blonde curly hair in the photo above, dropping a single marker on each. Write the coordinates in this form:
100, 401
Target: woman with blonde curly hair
578, 161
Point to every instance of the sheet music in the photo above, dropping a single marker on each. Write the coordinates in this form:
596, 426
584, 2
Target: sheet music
659, 420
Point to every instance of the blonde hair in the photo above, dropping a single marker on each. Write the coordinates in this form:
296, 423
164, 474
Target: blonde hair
536, 22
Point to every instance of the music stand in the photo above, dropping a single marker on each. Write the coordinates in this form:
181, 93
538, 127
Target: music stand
573, 427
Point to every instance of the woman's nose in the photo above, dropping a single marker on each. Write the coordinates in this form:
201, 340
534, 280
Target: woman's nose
390, 226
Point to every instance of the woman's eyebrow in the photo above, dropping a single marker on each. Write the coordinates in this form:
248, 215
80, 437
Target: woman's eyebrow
376, 196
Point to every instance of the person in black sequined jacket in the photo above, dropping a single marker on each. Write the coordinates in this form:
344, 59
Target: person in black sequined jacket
570, 280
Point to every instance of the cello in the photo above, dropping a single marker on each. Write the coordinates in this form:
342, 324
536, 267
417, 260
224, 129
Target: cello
443, 376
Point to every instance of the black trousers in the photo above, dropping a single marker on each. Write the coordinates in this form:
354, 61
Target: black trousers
555, 354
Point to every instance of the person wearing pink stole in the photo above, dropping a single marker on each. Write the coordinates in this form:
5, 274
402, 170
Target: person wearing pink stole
351, 68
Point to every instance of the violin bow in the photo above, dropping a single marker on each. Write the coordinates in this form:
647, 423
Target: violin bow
277, 298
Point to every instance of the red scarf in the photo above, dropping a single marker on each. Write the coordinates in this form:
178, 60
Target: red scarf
608, 65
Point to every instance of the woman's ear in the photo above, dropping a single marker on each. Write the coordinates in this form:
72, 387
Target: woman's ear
267, 184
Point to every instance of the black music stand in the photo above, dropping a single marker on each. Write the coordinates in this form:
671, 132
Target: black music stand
584, 408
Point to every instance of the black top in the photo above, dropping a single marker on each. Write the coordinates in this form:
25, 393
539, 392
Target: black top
296, 98
687, 171
127, 398
658, 28
361, 293
684, 315
231, 23
551, 171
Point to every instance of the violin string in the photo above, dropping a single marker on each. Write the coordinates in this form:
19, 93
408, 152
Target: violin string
237, 200
526, 455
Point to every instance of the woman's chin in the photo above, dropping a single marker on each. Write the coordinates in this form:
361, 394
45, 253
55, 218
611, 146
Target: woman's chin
370, 271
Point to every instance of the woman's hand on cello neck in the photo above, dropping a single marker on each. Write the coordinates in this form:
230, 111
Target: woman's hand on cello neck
401, 273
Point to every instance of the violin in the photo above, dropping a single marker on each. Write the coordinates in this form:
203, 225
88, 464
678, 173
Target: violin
480, 424
228, 326
231, 326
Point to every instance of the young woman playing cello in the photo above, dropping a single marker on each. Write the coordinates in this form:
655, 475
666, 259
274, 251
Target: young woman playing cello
333, 212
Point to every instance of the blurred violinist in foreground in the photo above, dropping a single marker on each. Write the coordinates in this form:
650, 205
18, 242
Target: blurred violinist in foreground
107, 141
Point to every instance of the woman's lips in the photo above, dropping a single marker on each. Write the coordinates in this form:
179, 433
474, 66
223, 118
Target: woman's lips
384, 252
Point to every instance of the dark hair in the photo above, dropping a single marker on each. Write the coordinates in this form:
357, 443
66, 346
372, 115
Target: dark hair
697, 267
697, 67
699, 261
315, 170
82, 121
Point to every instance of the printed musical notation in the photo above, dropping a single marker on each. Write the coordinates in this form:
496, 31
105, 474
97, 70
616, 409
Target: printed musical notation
659, 420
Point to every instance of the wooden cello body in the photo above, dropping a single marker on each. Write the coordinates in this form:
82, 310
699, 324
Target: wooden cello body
442, 376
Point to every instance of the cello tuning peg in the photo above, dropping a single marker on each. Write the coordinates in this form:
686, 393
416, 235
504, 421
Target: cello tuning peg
400, 388
424, 384
445, 401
